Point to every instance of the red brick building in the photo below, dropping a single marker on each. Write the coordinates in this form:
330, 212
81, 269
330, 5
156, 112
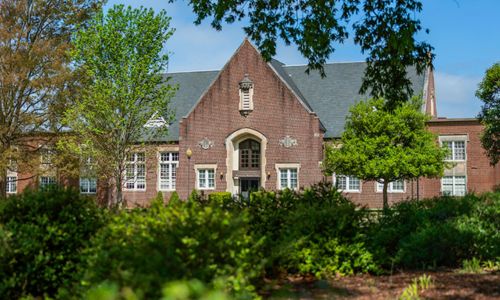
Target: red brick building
263, 125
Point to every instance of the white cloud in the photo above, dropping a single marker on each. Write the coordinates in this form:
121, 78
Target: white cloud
455, 95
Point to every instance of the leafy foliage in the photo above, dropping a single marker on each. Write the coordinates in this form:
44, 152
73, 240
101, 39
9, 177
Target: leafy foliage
36, 80
144, 249
385, 29
42, 235
120, 54
386, 146
445, 231
489, 93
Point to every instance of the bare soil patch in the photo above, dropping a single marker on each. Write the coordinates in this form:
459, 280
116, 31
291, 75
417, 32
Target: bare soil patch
447, 284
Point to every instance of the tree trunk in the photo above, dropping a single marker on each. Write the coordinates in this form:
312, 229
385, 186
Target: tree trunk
386, 201
119, 194
3, 183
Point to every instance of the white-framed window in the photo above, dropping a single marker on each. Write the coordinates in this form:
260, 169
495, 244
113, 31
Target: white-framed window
288, 178
11, 184
453, 185
397, 186
348, 183
167, 173
46, 181
135, 172
457, 149
88, 185
205, 179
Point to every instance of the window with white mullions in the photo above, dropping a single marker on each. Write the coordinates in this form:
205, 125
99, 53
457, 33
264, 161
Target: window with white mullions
168, 163
397, 186
348, 183
457, 150
11, 184
135, 171
206, 179
453, 185
46, 181
88, 185
288, 178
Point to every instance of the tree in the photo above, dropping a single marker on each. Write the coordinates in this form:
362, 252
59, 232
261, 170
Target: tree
35, 78
384, 29
489, 93
386, 146
120, 54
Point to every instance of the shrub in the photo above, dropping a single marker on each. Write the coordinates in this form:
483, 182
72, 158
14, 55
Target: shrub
144, 249
223, 199
445, 230
43, 234
174, 198
323, 235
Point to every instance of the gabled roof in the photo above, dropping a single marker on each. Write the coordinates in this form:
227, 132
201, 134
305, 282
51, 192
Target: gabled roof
330, 97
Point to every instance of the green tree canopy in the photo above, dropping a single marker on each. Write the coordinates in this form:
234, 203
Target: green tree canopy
489, 93
36, 81
386, 146
121, 55
384, 29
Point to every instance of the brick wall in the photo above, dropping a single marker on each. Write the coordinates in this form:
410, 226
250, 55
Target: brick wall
277, 113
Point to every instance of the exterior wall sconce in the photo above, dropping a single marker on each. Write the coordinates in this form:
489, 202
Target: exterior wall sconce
221, 175
189, 153
268, 175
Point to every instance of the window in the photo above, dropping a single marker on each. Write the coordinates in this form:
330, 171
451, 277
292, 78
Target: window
453, 185
397, 186
457, 150
249, 154
206, 179
348, 183
11, 184
135, 171
169, 161
46, 181
88, 185
288, 178
46, 156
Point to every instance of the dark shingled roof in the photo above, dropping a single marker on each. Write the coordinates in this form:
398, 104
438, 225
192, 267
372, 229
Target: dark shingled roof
329, 97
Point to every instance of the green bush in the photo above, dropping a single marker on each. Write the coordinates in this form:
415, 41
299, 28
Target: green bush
42, 235
144, 249
323, 235
442, 231
223, 199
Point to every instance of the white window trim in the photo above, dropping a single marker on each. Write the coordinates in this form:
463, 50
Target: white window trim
348, 190
171, 162
454, 138
88, 192
40, 181
7, 184
199, 167
380, 189
454, 184
135, 173
278, 168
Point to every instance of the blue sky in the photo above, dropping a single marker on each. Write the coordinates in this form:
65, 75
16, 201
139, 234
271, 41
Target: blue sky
464, 33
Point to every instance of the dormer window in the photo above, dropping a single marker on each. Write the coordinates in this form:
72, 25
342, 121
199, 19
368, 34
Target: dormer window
156, 121
246, 96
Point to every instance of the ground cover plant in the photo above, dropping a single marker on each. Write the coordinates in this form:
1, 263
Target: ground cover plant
56, 243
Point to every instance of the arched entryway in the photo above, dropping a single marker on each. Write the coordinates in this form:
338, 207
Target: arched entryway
246, 161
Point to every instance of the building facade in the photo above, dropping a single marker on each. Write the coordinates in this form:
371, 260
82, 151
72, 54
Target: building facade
257, 124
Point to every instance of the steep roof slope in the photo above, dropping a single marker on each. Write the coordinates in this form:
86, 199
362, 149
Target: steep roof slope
329, 97
332, 96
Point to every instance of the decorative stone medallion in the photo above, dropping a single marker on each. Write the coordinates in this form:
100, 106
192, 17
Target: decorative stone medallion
288, 142
205, 143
